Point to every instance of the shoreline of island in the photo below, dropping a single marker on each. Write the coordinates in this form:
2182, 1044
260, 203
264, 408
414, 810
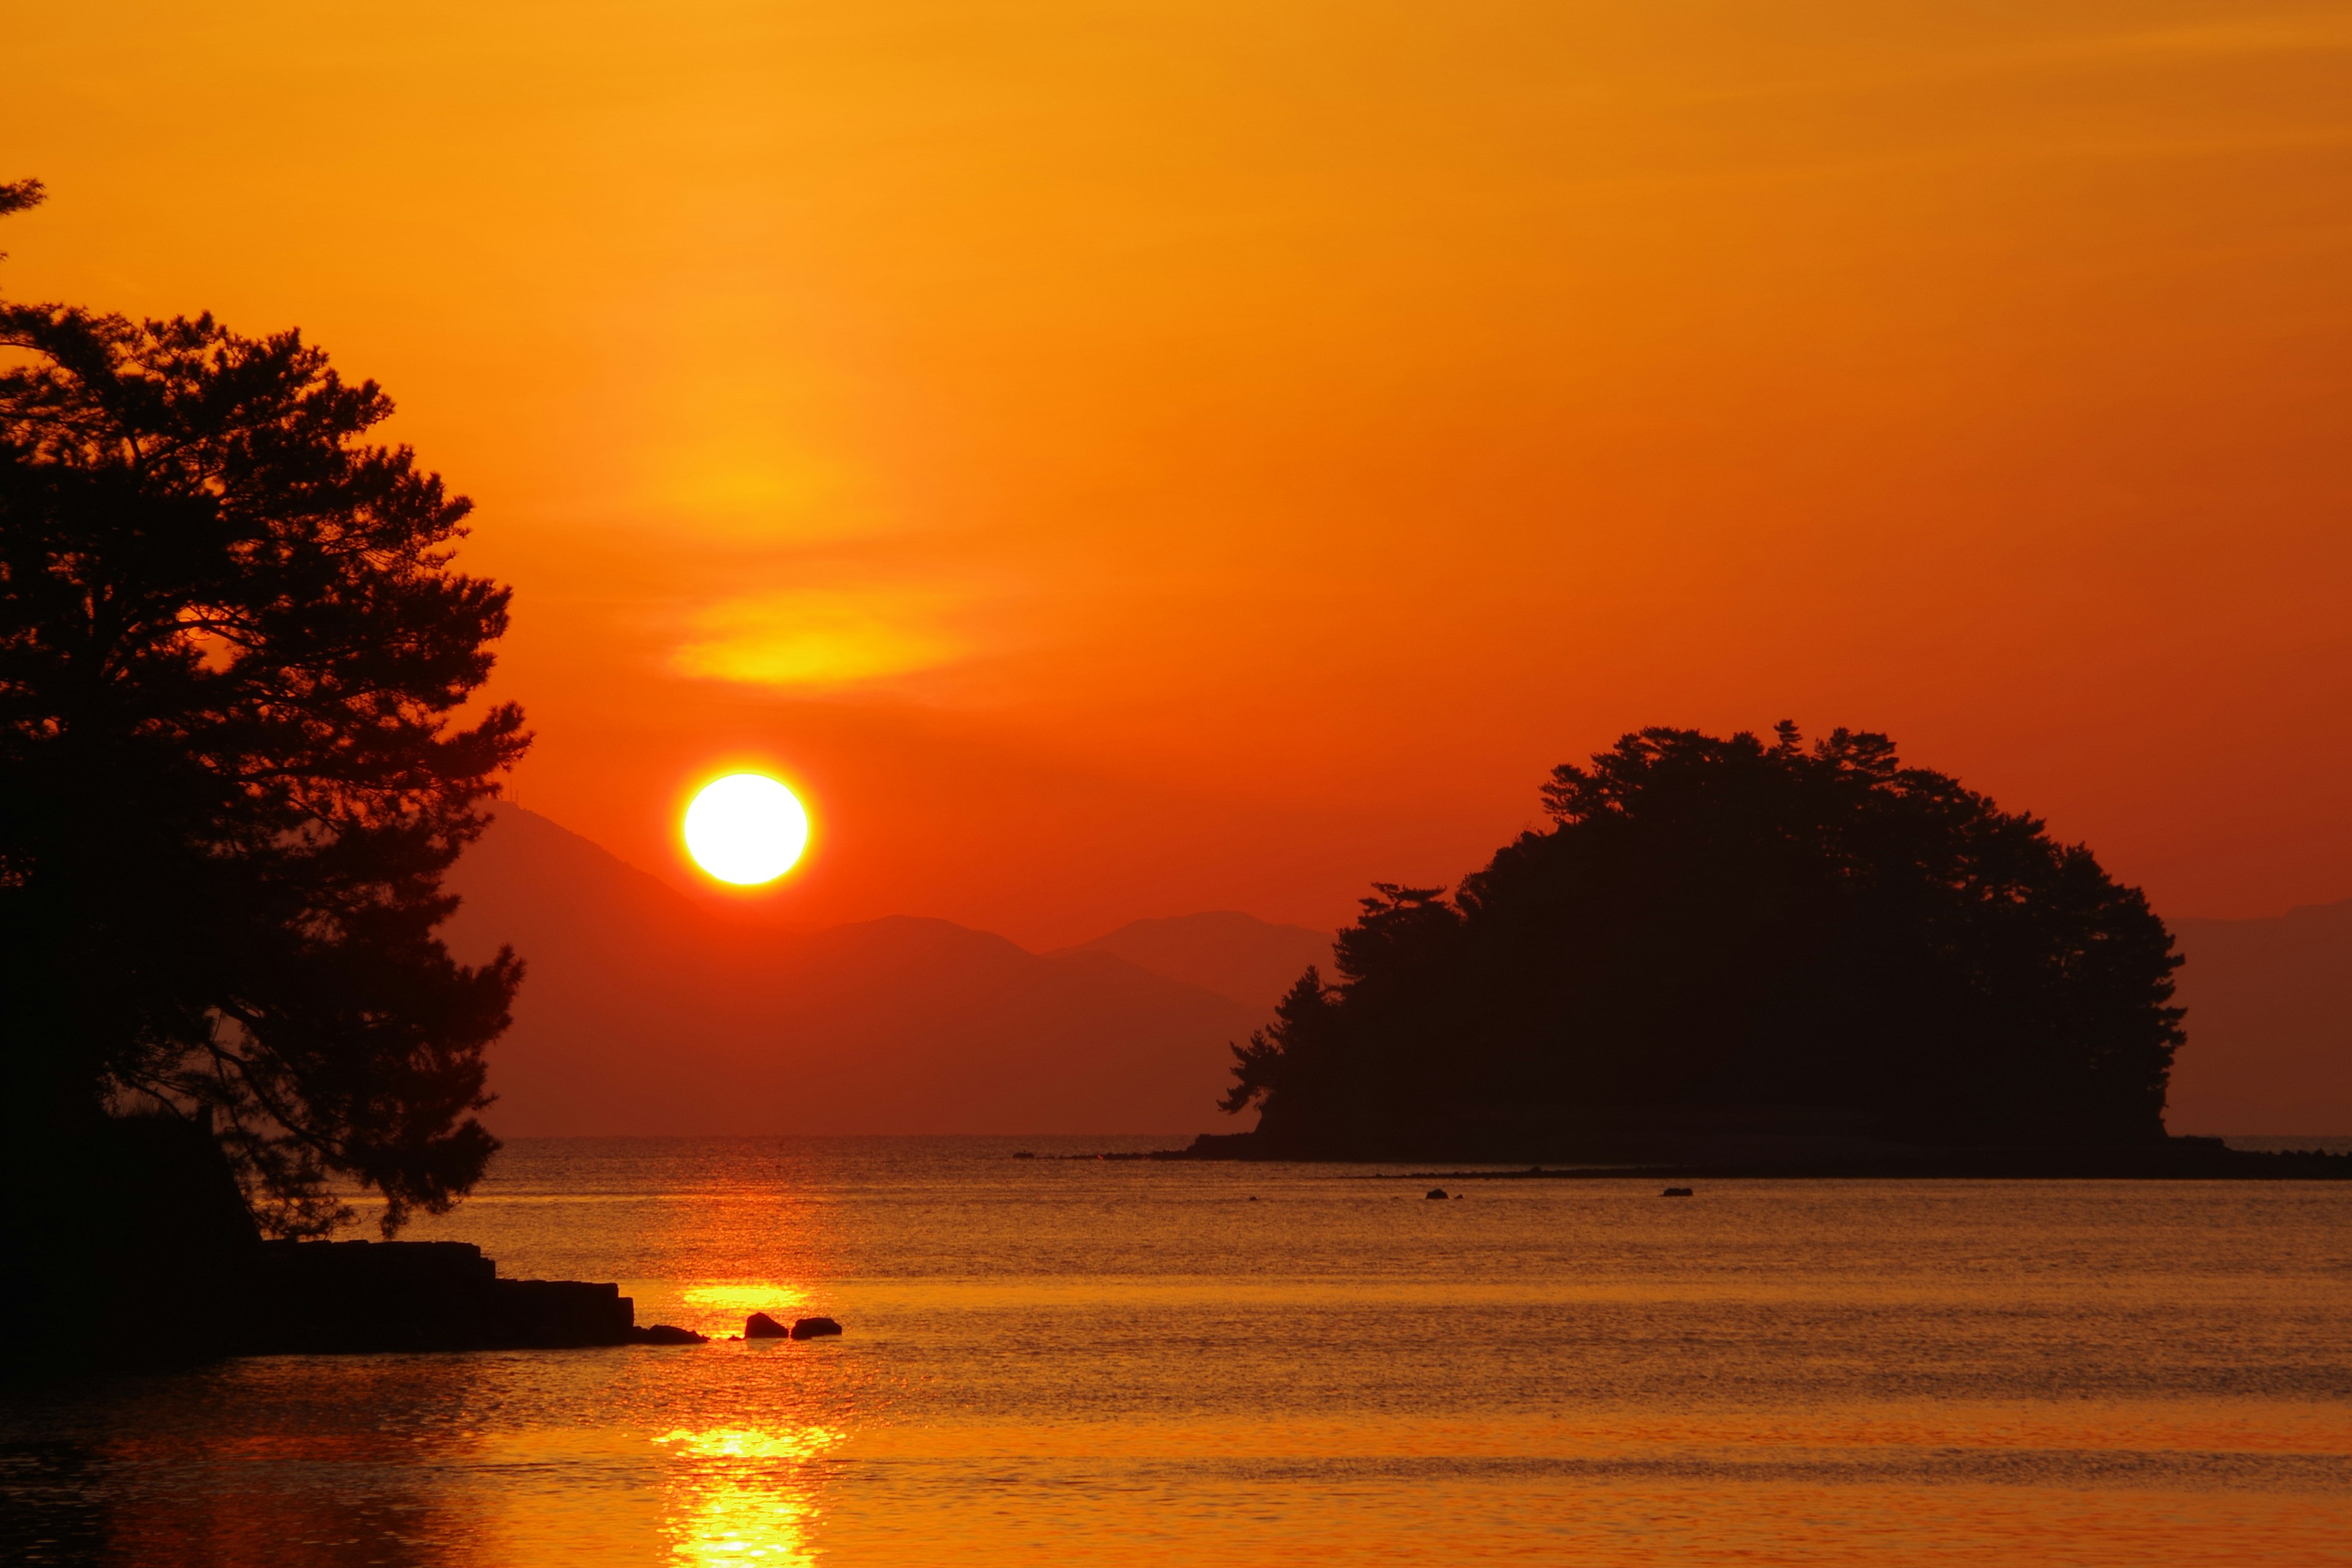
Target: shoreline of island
2177, 1158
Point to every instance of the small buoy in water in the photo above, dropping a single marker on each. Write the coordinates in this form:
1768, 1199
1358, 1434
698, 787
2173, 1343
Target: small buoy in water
1675, 1193
1437, 1192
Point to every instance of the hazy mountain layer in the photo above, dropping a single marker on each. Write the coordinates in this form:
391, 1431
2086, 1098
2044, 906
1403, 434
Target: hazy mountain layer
1240, 957
2270, 1024
643, 1011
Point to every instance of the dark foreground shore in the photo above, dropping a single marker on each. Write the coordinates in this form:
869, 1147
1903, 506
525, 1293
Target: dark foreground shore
132, 1248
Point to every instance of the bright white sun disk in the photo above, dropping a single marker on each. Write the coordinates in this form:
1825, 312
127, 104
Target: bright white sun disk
746, 828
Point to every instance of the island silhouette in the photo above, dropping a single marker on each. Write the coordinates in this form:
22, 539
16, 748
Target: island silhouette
1742, 954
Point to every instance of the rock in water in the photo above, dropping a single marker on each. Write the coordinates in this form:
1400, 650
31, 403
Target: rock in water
760, 1326
667, 1334
810, 1328
1436, 1192
1675, 1193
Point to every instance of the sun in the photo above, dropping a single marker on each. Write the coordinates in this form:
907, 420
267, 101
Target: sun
746, 828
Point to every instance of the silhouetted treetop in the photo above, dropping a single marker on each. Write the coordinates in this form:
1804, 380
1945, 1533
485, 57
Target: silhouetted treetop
17, 195
1732, 922
231, 647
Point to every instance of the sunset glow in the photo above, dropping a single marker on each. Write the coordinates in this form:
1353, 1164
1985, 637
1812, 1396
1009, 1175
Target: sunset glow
1170, 783
1238, 420
746, 828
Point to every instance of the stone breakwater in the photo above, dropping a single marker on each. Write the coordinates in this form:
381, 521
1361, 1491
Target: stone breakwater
325, 1297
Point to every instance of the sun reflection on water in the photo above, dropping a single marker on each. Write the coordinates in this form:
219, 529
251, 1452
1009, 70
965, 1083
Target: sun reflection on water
717, 1306
743, 1495
744, 1295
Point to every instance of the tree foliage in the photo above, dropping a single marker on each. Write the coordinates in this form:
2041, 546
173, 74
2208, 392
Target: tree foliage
232, 652
1736, 923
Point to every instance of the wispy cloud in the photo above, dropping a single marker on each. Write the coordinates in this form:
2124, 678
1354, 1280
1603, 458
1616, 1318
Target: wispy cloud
820, 637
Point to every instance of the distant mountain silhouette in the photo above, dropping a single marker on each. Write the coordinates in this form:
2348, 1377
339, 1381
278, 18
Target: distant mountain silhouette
643, 1011
2270, 1024
1251, 961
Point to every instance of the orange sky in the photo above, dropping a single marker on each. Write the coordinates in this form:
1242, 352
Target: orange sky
1130, 457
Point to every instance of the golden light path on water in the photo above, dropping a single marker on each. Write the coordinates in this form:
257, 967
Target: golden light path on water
731, 1301
742, 1495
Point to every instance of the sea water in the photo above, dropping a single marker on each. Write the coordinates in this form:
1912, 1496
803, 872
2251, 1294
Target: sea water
1080, 1361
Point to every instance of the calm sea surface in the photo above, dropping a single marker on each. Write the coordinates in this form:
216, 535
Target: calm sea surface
1079, 1361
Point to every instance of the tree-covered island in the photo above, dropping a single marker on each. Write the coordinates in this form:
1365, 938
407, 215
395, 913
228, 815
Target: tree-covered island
1750, 950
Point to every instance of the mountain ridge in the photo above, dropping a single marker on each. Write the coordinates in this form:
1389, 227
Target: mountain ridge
643, 1012
2270, 1024
1234, 954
